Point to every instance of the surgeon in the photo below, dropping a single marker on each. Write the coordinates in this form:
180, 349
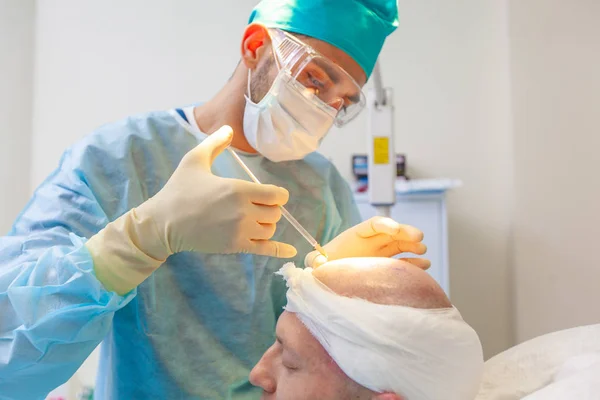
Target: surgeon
149, 239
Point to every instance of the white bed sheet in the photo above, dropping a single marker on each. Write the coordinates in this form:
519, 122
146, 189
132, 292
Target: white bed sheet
560, 365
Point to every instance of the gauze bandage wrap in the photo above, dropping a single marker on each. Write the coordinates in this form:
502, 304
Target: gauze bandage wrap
417, 353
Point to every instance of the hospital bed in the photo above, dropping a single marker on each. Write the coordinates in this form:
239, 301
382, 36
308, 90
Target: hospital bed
563, 365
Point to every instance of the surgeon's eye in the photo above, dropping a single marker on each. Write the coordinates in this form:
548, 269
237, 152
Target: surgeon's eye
315, 82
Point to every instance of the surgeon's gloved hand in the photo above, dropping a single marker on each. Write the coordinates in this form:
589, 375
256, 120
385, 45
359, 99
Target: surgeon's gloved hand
194, 211
376, 237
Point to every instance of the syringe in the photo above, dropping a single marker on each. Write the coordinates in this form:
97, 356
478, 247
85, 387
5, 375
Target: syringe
311, 240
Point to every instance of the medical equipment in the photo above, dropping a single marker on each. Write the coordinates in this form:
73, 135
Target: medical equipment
297, 225
323, 81
421, 354
380, 133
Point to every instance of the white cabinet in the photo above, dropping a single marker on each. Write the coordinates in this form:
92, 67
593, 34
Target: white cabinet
423, 205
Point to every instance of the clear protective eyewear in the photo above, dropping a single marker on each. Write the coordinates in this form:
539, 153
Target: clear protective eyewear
318, 77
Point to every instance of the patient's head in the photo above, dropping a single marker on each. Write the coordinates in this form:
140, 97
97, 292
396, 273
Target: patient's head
383, 281
298, 367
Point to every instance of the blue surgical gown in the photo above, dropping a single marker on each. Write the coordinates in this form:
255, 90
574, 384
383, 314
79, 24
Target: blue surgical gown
195, 328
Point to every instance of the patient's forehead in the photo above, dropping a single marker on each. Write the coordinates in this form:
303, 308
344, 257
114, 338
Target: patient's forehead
383, 281
297, 339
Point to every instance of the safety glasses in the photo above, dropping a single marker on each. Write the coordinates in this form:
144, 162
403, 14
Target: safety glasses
318, 77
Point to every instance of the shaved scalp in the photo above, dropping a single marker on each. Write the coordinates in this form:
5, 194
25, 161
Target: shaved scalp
384, 281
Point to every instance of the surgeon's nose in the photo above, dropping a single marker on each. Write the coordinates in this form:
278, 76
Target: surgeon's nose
262, 376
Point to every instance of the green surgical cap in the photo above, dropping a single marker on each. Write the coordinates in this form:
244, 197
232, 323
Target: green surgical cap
358, 27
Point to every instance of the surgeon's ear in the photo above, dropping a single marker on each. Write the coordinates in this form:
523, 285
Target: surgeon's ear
387, 396
255, 43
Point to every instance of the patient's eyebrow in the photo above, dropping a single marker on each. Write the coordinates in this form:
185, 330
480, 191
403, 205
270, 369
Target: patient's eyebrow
287, 348
278, 338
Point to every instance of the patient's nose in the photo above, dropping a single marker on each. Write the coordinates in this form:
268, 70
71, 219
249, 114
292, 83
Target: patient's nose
262, 374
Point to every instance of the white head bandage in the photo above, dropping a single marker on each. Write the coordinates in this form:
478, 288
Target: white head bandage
421, 354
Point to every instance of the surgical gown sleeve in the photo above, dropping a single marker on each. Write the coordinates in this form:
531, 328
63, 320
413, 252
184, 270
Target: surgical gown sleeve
53, 310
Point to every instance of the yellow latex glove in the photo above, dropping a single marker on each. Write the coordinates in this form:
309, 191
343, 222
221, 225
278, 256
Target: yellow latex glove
194, 211
376, 237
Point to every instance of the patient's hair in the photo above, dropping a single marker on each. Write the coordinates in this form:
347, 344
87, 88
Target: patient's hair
383, 281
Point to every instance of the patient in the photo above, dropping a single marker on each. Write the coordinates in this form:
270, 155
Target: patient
369, 328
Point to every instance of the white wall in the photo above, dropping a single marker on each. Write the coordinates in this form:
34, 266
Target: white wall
103, 59
16, 63
100, 60
556, 99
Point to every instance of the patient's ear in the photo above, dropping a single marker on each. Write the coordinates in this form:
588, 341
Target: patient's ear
386, 396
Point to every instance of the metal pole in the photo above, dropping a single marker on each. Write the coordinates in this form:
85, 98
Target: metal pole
378, 82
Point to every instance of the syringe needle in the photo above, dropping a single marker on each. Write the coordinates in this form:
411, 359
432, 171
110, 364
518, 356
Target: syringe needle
286, 214
294, 222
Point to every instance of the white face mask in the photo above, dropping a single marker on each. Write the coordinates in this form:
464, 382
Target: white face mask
287, 124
